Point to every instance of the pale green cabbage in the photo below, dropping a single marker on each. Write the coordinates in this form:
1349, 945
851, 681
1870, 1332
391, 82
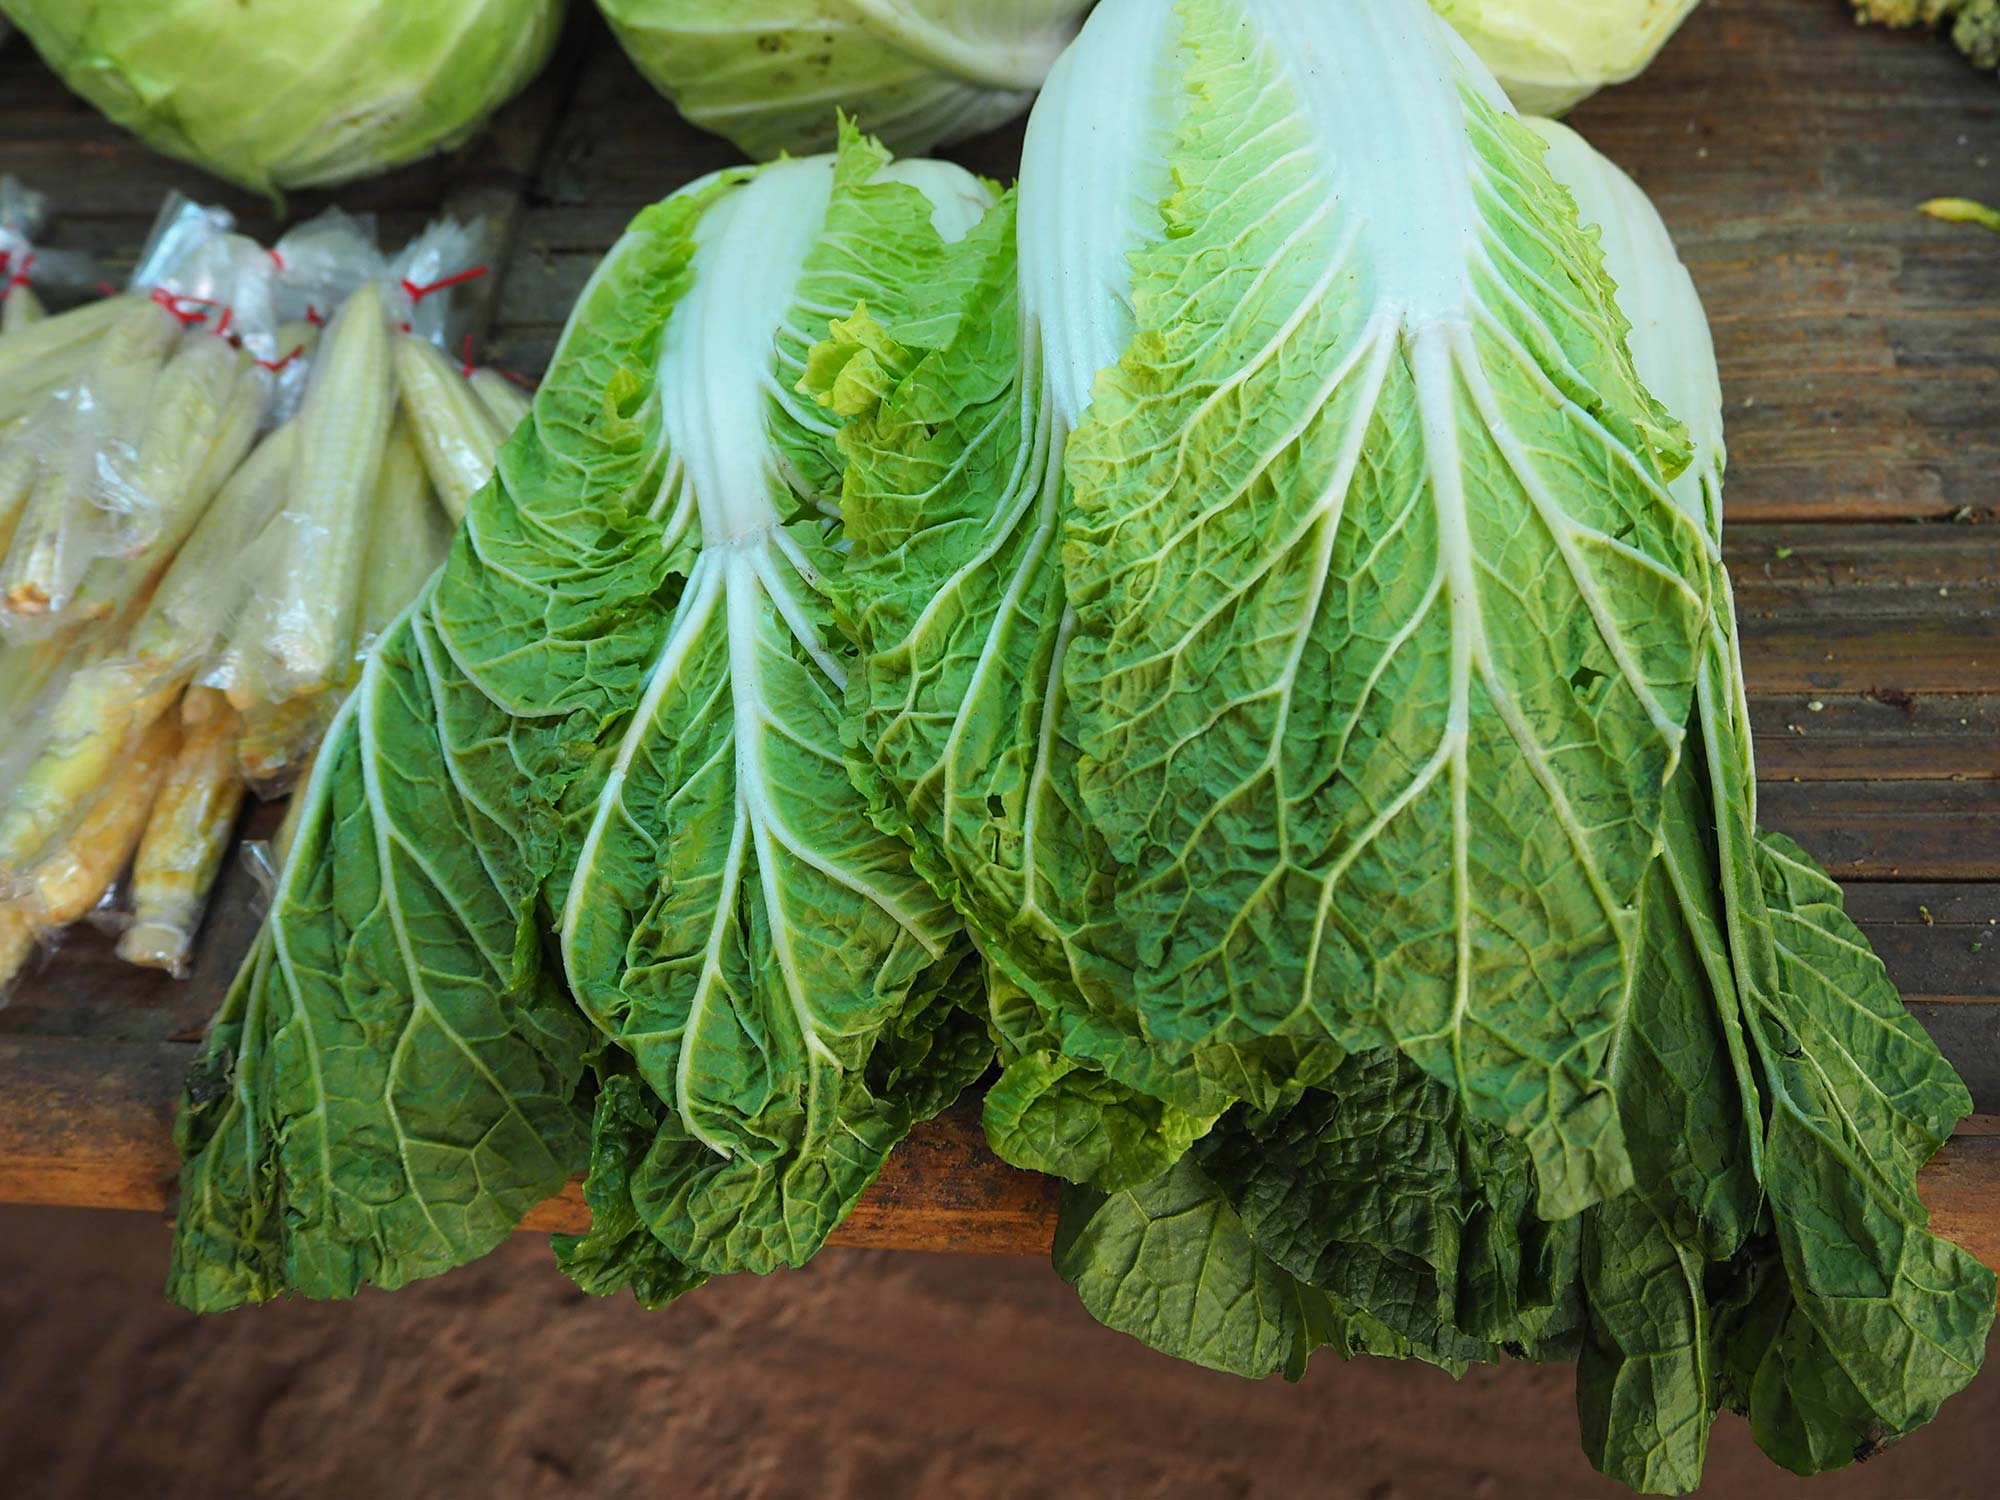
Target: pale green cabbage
580, 877
1296, 639
1549, 54
290, 94
769, 74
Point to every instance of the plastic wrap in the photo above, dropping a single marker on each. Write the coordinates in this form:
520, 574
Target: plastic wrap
132, 428
248, 502
71, 876
186, 838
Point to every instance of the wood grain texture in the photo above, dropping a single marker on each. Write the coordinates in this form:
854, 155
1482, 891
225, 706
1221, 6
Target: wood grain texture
89, 1124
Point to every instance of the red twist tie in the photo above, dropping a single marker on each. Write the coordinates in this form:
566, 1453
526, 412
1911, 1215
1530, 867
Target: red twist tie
470, 364
278, 261
418, 293
275, 366
173, 303
314, 317
107, 289
221, 329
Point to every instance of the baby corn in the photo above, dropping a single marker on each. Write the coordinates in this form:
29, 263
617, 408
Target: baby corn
73, 876
308, 630
510, 405
458, 434
186, 837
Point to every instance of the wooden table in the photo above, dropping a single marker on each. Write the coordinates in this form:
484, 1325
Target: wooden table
1860, 346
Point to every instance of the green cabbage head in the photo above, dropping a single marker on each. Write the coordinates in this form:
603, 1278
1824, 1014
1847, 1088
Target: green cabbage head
768, 74
281, 94
1549, 54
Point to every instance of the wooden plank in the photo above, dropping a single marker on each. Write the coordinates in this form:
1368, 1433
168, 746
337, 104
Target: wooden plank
1891, 830
1860, 345
1889, 735
1941, 943
88, 1126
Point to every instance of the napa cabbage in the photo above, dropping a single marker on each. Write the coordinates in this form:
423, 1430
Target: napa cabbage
580, 877
768, 74
1295, 637
294, 93
1549, 54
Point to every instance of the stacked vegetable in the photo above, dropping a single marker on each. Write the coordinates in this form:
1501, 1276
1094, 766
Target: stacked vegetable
294, 93
1233, 632
210, 512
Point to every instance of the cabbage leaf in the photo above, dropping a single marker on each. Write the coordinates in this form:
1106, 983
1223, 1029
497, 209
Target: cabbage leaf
602, 754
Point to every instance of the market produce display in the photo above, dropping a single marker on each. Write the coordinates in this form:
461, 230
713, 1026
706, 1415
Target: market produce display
916, 73
294, 93
1220, 651
207, 518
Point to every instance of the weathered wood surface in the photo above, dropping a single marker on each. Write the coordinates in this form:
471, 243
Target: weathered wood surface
91, 1126
1860, 346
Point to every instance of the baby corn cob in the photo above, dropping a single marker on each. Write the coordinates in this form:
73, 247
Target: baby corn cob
458, 434
407, 540
42, 356
20, 310
203, 420
211, 580
104, 708
307, 639
186, 837
77, 508
277, 740
510, 405
20, 468
410, 539
73, 876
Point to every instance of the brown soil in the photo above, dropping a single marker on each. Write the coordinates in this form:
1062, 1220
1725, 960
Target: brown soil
867, 1375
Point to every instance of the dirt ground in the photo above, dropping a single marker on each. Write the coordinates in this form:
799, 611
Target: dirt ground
868, 1375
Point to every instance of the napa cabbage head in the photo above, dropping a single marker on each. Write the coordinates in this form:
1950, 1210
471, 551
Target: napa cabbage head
294, 93
1549, 54
769, 74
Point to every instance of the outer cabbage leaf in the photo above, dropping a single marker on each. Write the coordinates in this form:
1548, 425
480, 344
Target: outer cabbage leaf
768, 74
1549, 54
1170, 1263
398, 1076
393, 1082
728, 912
957, 733
294, 93
1767, 1054
1375, 1189
1385, 622
620, 1252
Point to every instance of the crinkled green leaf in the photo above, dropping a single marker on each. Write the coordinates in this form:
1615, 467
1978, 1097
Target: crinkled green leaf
610, 731
729, 913
1375, 1189
1050, 1113
1170, 1264
403, 1084
1386, 623
620, 1252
